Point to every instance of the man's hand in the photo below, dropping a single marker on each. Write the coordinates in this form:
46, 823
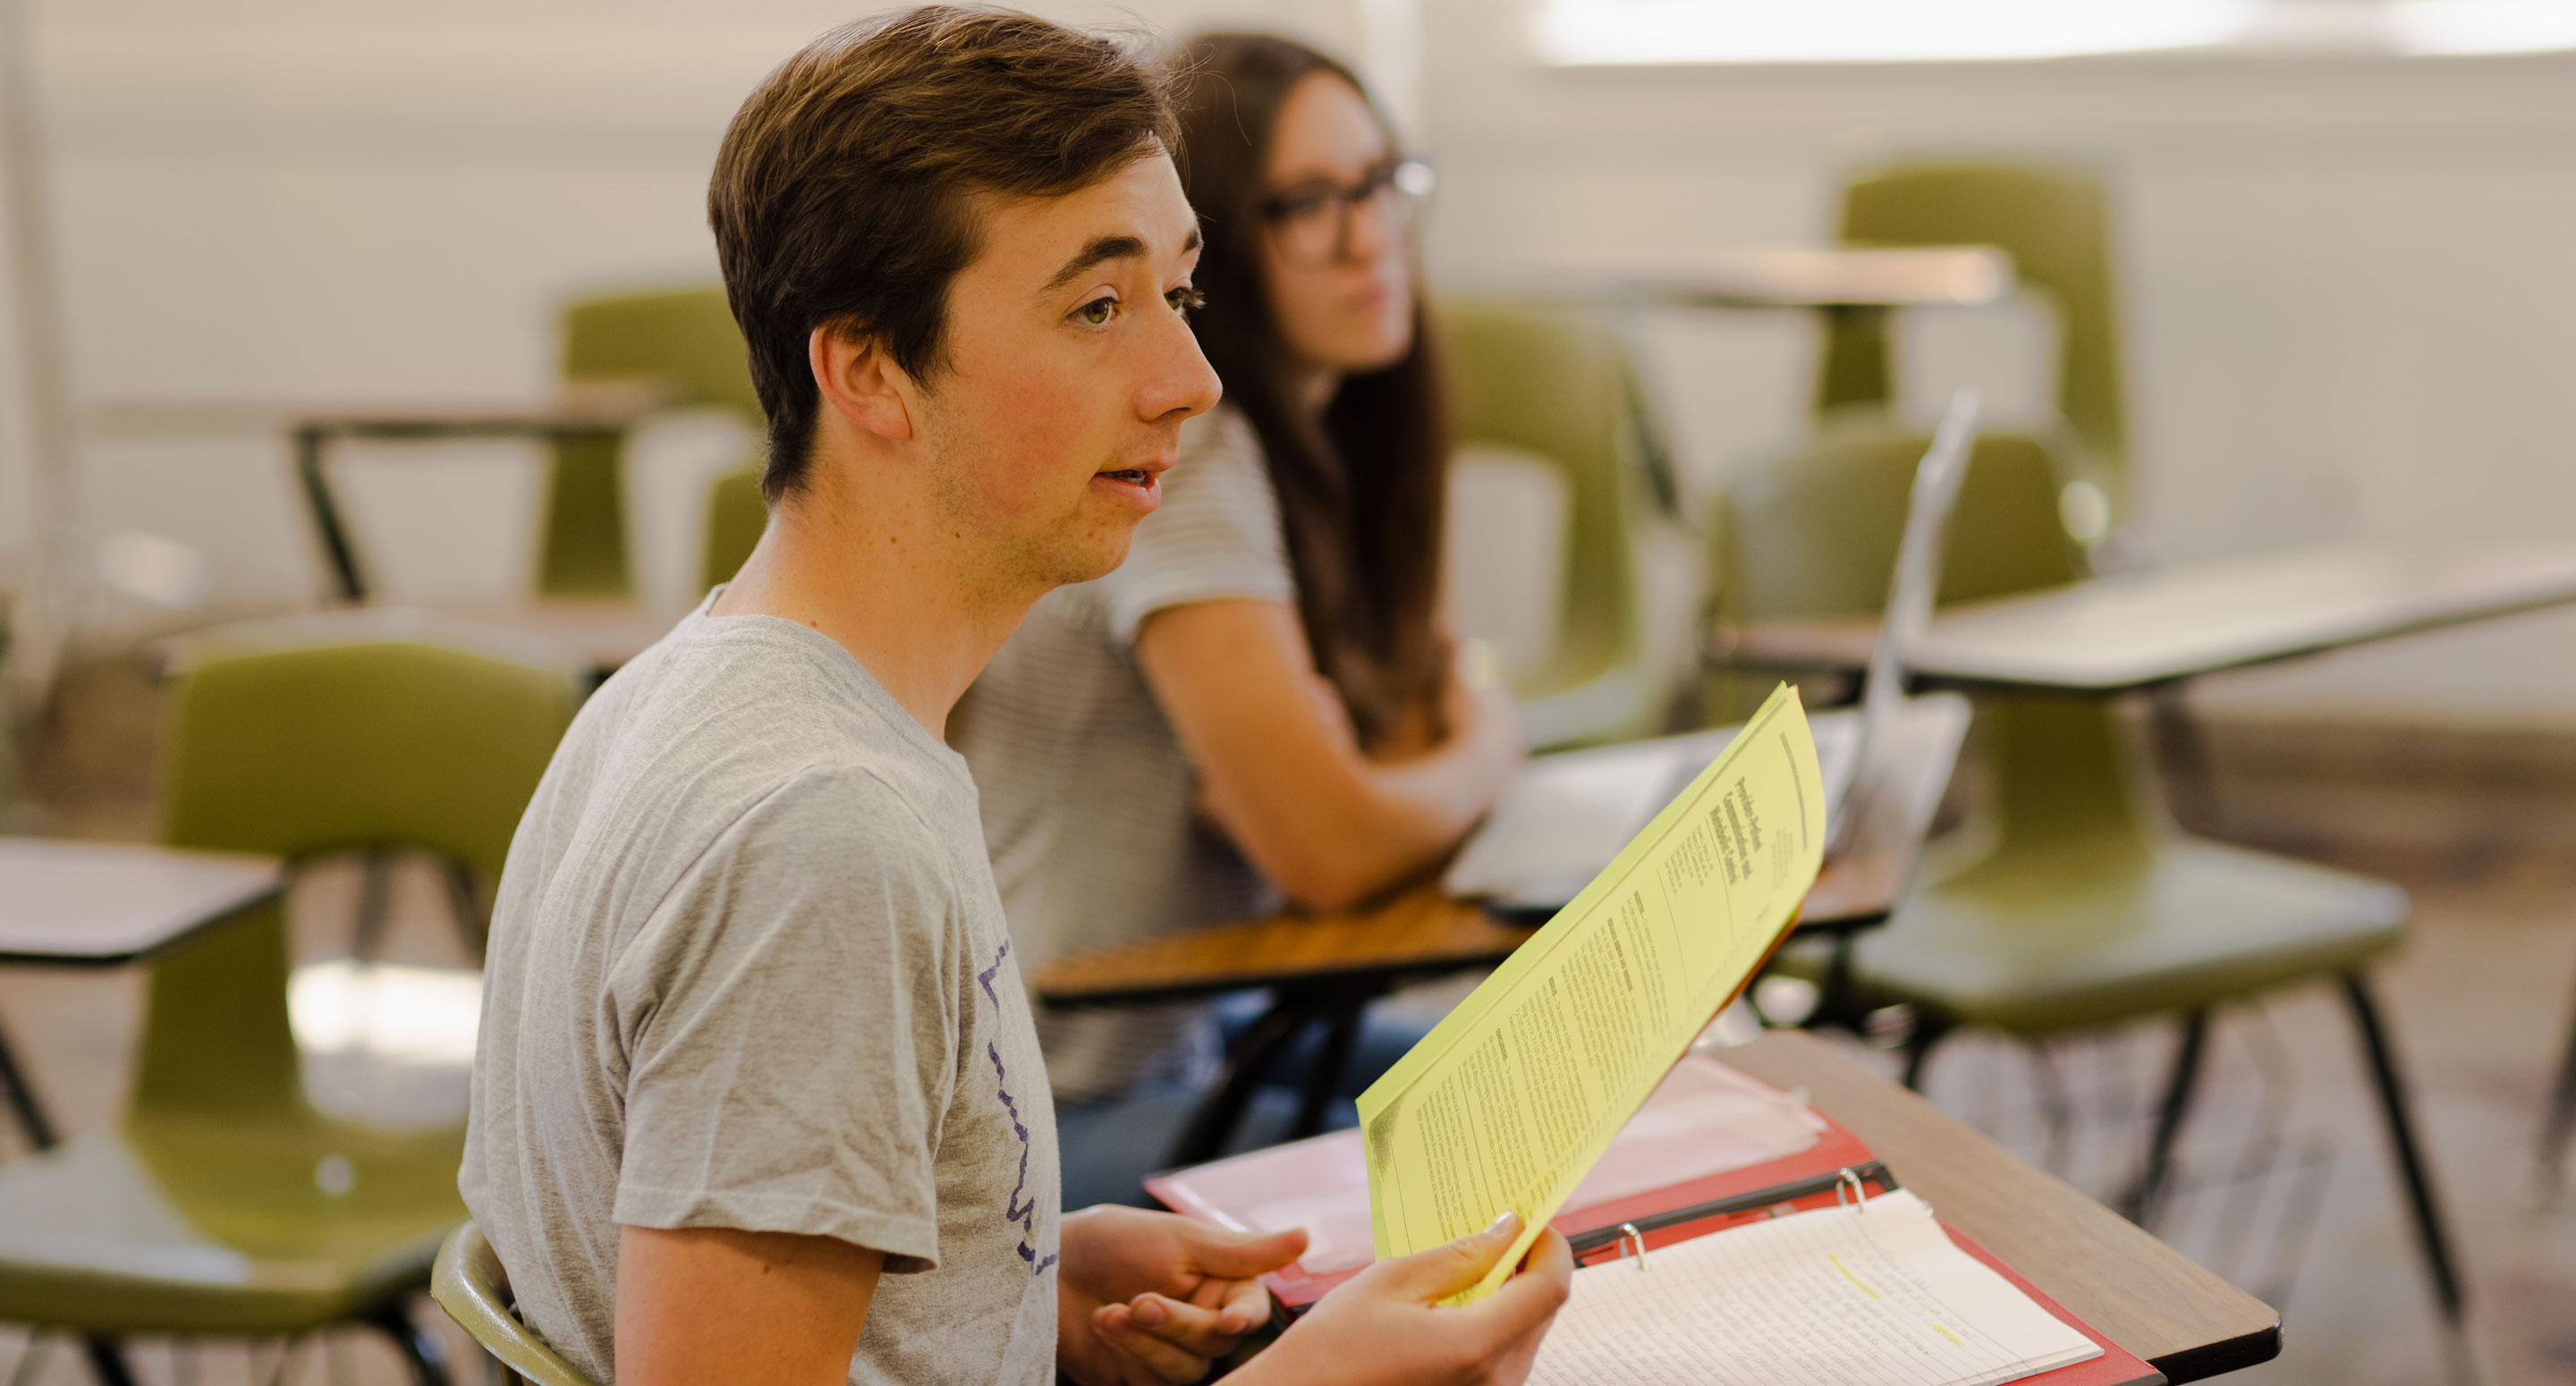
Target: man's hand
1388, 1324
1148, 1298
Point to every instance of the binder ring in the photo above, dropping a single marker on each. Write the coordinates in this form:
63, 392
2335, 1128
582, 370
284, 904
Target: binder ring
1859, 1195
1627, 1233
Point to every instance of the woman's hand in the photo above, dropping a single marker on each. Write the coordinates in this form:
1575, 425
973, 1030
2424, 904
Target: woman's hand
1484, 719
1387, 1324
1145, 1298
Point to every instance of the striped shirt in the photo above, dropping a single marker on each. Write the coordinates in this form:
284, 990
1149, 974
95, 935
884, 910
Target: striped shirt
1089, 801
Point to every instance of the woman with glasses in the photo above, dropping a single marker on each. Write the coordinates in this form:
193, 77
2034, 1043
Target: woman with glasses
1263, 703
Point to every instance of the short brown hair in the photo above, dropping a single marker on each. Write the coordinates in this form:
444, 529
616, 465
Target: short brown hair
841, 192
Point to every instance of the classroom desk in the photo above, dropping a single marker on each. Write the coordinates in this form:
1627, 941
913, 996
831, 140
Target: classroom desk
1325, 969
2143, 1295
600, 634
589, 409
101, 904
1860, 277
2117, 634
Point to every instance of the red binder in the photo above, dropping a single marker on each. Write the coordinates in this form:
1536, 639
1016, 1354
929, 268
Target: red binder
1326, 1172
1324, 1179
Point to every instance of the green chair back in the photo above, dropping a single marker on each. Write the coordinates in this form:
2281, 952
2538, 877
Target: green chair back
222, 1202
736, 515
1556, 382
2055, 224
685, 339
1813, 533
470, 1284
300, 751
382, 743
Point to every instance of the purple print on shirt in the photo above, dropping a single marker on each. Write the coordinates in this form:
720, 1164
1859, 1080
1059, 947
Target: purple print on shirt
1023, 1212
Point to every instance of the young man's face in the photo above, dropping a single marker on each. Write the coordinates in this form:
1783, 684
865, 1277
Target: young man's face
1070, 369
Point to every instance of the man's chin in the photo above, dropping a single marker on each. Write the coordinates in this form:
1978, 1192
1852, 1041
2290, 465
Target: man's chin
1092, 561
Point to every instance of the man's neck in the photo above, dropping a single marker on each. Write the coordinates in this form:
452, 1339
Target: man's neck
884, 582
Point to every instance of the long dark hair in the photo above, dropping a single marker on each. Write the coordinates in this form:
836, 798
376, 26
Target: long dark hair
1361, 490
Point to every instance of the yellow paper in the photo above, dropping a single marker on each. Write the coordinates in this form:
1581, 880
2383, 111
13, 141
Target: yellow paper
1510, 1100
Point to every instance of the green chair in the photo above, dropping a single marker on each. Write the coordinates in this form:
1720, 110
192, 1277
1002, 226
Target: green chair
470, 1284
736, 515
220, 1202
2055, 224
1556, 383
2090, 909
685, 339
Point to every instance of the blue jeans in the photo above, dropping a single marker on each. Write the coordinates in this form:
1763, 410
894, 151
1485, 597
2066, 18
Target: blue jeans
1109, 1144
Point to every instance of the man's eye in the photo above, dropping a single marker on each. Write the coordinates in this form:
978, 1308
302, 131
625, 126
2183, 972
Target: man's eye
1097, 312
1185, 300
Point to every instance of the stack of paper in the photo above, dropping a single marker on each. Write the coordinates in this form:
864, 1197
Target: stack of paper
1871, 1293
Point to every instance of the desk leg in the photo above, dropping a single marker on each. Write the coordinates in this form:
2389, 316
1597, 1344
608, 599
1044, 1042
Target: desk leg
22, 1100
105, 1357
2191, 770
1343, 1022
1252, 1055
318, 496
2562, 1118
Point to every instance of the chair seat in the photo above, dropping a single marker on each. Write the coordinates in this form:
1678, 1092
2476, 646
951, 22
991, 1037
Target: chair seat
231, 1227
2040, 941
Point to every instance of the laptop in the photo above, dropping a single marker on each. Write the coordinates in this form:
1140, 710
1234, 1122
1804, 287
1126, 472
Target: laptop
1565, 816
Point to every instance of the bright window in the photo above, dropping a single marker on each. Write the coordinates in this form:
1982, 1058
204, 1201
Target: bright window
1614, 32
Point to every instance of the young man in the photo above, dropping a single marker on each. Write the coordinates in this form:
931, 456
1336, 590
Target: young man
758, 1097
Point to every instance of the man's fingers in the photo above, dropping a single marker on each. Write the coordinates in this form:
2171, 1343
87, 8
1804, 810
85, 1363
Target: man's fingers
1531, 1297
1142, 1347
1206, 1332
1445, 1270
1245, 1307
1239, 1255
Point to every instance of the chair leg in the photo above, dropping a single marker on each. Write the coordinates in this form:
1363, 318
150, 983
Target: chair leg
470, 928
422, 1350
107, 1362
2143, 1197
1926, 1031
2562, 1116
2410, 1161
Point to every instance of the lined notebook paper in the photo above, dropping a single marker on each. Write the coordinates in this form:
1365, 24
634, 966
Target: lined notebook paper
1871, 1294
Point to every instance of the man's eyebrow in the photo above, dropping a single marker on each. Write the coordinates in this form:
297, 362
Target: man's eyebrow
1105, 248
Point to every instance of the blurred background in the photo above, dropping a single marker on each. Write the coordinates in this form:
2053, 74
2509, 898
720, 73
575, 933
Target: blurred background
2339, 230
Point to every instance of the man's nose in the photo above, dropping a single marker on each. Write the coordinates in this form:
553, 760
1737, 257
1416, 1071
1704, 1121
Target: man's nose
1179, 382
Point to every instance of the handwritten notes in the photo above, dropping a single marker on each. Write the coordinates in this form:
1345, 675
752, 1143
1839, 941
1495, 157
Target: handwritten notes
1870, 1293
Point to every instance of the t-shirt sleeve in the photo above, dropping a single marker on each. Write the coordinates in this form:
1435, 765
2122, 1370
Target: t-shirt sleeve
1216, 534
791, 1027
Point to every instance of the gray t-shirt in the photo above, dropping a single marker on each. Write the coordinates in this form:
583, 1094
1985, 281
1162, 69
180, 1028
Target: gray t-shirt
1090, 802
748, 970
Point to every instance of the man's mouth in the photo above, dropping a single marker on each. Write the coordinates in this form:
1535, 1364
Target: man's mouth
1133, 476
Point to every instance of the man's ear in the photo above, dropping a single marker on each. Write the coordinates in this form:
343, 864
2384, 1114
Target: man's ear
860, 382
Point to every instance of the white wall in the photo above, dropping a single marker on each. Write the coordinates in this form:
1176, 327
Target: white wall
330, 200
2348, 280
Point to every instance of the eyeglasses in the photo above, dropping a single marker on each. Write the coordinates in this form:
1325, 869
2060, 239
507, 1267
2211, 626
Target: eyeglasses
1312, 221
